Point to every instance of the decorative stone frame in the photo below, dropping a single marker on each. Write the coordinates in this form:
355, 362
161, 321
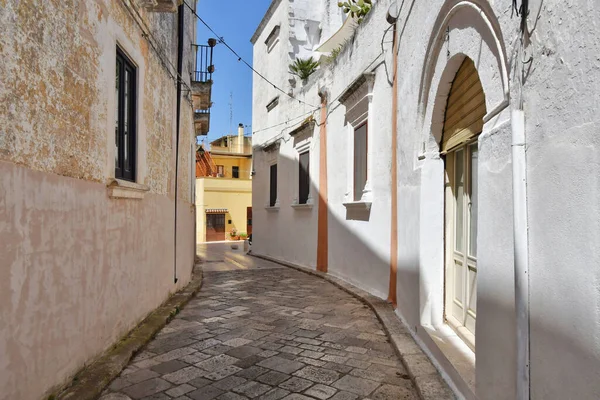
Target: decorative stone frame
303, 136
475, 33
271, 156
358, 100
118, 188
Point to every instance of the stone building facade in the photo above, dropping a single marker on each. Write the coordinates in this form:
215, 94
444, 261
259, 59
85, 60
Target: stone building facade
88, 133
470, 200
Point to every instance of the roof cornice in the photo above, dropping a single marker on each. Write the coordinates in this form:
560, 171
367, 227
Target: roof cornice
265, 20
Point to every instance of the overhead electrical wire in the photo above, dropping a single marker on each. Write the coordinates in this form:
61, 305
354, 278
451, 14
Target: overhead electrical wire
222, 40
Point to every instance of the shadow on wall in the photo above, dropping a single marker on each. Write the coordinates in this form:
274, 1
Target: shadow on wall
354, 258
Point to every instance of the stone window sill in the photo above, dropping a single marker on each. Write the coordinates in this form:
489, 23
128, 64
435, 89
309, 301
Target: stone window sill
306, 206
358, 205
272, 208
120, 189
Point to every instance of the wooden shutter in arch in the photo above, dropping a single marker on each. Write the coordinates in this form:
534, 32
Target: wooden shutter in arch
465, 108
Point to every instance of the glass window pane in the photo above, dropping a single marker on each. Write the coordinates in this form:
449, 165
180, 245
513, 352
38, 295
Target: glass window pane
459, 199
126, 121
472, 290
474, 199
360, 161
117, 79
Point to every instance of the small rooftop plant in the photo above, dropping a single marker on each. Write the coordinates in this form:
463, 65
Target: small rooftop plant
304, 67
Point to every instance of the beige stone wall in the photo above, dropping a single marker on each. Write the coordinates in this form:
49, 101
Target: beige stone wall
79, 269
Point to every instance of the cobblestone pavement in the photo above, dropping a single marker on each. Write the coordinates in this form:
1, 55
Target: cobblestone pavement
261, 331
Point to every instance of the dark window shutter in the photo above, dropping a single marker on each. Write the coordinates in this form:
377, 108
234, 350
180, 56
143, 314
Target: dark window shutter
360, 161
273, 186
235, 172
304, 178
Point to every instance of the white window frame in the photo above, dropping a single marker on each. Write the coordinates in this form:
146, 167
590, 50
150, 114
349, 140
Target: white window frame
300, 148
358, 99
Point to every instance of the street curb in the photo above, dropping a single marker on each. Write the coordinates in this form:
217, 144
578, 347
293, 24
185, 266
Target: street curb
421, 371
89, 382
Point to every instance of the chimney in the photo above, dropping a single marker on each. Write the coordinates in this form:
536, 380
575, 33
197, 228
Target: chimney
240, 138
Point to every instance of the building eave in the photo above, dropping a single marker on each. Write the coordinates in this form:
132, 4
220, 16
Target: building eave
265, 20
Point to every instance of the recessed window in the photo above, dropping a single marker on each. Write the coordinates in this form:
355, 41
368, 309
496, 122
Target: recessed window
360, 160
272, 104
304, 178
235, 172
220, 171
125, 118
273, 38
273, 186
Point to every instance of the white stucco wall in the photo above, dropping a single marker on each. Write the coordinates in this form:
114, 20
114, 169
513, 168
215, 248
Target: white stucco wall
560, 96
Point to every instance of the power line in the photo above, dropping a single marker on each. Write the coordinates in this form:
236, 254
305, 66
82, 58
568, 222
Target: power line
285, 122
241, 59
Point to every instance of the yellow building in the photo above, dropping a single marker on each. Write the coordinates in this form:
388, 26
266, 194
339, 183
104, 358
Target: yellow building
224, 188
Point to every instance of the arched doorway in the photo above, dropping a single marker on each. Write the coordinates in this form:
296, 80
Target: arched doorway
463, 122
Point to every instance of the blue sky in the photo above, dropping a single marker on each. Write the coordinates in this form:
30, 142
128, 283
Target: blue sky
235, 21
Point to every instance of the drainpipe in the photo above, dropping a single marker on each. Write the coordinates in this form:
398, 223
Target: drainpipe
180, 28
322, 223
520, 227
394, 186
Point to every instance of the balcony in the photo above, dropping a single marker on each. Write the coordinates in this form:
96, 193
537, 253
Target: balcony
202, 71
201, 122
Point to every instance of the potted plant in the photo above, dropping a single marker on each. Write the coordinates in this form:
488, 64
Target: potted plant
243, 235
233, 235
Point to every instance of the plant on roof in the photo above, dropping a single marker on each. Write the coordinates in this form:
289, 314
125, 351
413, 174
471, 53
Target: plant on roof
356, 8
304, 67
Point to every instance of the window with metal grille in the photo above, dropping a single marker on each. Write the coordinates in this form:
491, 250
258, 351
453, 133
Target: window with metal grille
273, 186
360, 161
304, 178
235, 172
125, 118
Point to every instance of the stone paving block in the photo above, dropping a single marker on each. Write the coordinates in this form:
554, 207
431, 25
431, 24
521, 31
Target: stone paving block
344, 369
267, 353
146, 388
366, 374
184, 375
218, 349
311, 354
308, 341
307, 333
296, 384
217, 362
331, 345
358, 363
168, 367
281, 364
119, 383
312, 347
274, 394
205, 344
270, 346
200, 382
290, 350
206, 393
180, 390
354, 349
244, 351
231, 396
230, 382
311, 361
237, 342
296, 396
334, 359
252, 372
390, 392
194, 358
141, 375
362, 387
344, 396
157, 396
419, 365
319, 375
432, 387
222, 373
252, 389
321, 392
273, 378
204, 336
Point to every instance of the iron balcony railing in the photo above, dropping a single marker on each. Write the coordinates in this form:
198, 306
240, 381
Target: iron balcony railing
203, 66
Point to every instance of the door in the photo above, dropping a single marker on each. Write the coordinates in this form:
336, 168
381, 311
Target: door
215, 227
462, 125
249, 220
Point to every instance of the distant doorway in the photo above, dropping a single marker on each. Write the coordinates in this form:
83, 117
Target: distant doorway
249, 220
215, 227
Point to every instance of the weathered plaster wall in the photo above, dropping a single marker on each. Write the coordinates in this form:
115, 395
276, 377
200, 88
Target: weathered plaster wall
79, 269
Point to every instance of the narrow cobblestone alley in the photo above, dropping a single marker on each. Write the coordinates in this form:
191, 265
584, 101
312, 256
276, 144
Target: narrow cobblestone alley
260, 330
